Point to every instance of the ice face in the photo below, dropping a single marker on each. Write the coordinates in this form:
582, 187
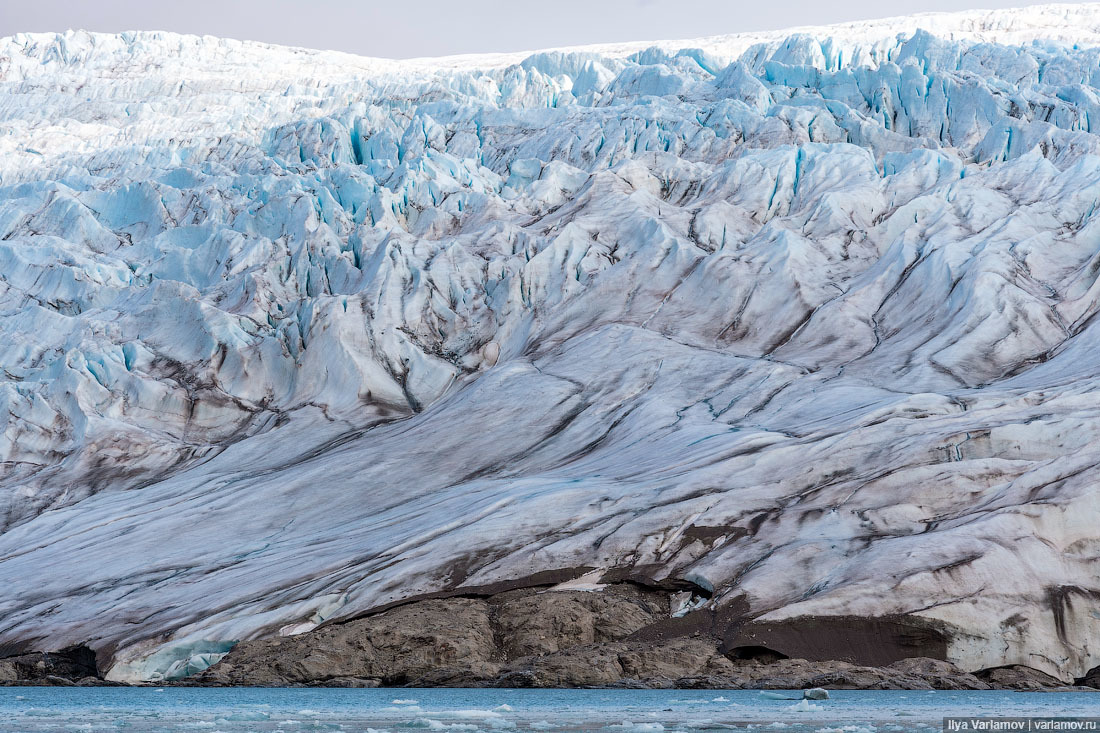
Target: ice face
290, 335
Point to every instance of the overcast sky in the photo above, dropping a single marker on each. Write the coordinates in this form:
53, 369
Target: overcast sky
406, 28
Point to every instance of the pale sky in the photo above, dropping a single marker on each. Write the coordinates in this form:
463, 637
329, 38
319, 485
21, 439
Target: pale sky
406, 28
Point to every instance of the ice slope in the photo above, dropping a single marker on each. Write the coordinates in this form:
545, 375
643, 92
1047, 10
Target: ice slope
807, 320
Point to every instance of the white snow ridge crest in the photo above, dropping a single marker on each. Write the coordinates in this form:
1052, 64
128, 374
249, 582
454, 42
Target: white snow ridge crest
807, 321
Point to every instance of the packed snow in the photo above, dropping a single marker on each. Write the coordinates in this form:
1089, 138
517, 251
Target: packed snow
807, 319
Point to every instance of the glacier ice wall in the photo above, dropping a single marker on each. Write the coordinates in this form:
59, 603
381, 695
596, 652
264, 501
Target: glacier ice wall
806, 319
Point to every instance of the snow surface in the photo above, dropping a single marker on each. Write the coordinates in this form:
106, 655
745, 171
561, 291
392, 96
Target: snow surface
290, 335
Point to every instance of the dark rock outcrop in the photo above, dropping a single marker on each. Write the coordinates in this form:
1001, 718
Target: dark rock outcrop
1019, 677
872, 641
620, 637
75, 665
459, 641
1091, 679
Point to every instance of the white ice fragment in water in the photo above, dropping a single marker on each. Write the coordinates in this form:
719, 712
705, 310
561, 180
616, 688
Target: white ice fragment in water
804, 706
433, 724
248, 716
400, 701
816, 693
466, 714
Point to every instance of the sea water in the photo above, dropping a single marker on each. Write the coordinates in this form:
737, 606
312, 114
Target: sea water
231, 710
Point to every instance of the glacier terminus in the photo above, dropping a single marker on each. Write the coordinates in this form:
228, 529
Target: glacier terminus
798, 329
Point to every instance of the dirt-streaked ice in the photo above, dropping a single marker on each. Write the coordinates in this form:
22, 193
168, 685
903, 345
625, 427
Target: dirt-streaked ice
289, 335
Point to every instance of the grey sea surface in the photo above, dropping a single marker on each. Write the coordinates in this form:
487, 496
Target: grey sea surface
233, 710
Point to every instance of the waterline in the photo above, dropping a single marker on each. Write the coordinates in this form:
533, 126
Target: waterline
236, 710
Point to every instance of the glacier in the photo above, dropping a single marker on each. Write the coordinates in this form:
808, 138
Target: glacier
805, 321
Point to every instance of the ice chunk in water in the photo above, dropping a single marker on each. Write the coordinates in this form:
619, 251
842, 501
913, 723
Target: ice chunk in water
805, 706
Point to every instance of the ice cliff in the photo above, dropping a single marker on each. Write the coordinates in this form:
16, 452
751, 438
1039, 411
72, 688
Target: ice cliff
805, 320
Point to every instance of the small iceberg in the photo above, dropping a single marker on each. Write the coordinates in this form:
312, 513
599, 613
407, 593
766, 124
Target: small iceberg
805, 706
768, 694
